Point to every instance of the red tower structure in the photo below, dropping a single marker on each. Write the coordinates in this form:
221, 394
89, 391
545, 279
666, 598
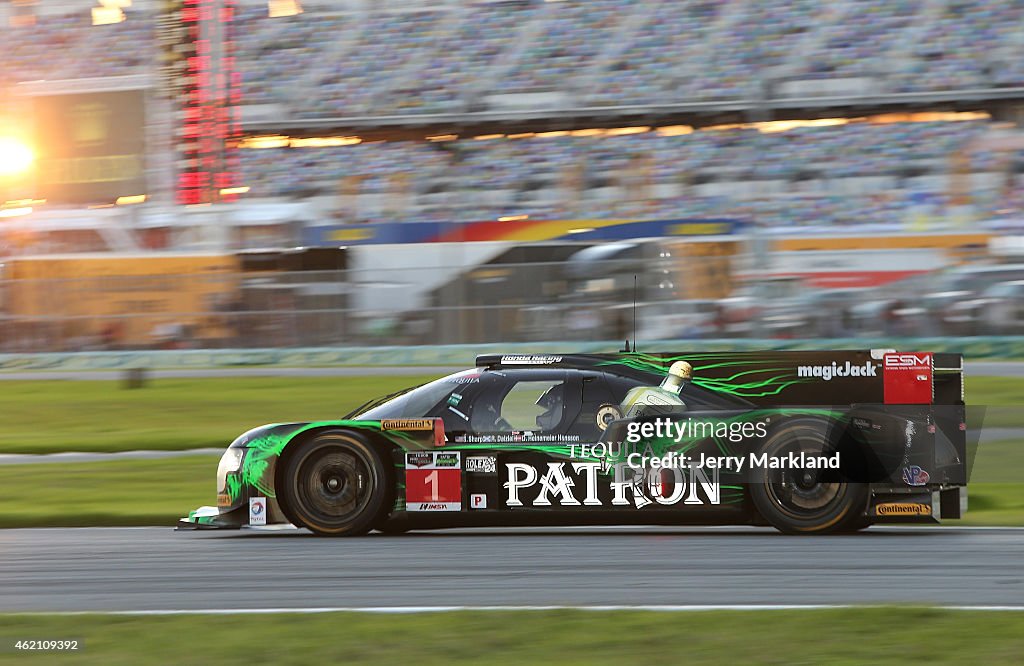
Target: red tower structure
201, 78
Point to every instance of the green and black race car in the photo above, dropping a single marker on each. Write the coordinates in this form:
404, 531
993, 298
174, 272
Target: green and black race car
808, 442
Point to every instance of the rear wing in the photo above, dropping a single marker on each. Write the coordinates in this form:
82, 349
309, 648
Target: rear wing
948, 379
781, 378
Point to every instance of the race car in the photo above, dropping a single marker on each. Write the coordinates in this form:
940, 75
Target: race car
809, 442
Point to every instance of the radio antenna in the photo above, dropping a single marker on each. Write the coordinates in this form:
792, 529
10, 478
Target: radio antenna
634, 312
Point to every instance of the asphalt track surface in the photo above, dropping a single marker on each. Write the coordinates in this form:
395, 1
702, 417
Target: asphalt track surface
977, 368
140, 569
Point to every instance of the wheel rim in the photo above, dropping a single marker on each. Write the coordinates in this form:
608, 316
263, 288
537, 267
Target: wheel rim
334, 486
802, 493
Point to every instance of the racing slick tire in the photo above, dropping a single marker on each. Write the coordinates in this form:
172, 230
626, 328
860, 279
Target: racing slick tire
806, 501
392, 530
859, 525
337, 484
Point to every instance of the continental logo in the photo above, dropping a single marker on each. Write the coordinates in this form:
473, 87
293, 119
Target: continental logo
895, 509
407, 424
223, 500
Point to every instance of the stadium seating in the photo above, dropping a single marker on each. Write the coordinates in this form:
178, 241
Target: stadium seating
383, 58
387, 58
853, 174
276, 57
68, 46
456, 67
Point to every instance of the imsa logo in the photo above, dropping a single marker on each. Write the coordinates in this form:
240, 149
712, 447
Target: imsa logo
576, 484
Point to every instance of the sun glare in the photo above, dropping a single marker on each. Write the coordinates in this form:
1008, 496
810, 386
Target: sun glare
15, 157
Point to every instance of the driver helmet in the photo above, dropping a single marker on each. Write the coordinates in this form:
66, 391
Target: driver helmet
551, 402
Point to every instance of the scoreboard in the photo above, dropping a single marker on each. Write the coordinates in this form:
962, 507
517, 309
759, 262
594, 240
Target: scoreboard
199, 74
91, 145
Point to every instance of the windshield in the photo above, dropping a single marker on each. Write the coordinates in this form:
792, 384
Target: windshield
418, 402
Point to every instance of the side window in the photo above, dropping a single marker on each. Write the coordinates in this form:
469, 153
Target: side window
524, 400
618, 387
602, 393
534, 405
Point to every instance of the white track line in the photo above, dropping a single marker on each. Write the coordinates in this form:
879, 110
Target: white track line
399, 610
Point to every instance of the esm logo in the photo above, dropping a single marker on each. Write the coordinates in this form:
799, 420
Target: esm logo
908, 361
580, 484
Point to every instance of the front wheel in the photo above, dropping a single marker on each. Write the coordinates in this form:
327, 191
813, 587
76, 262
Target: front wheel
806, 501
336, 484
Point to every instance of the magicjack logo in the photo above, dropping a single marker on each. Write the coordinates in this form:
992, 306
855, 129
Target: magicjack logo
827, 372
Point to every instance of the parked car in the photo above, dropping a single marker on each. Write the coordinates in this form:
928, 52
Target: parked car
961, 284
999, 310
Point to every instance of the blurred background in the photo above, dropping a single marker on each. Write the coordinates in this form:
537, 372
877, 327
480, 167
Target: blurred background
233, 174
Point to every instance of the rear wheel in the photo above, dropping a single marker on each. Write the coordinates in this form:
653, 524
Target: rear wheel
806, 501
337, 484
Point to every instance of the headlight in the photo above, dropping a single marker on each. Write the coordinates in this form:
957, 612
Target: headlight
229, 462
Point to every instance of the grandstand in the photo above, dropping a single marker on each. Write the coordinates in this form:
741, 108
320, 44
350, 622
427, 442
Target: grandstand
599, 109
470, 56
853, 173
349, 58
571, 122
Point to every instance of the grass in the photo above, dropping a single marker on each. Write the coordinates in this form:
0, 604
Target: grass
994, 504
125, 492
890, 635
998, 402
994, 390
995, 490
48, 416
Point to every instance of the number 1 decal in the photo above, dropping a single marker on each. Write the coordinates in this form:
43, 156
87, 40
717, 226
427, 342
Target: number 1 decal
433, 481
